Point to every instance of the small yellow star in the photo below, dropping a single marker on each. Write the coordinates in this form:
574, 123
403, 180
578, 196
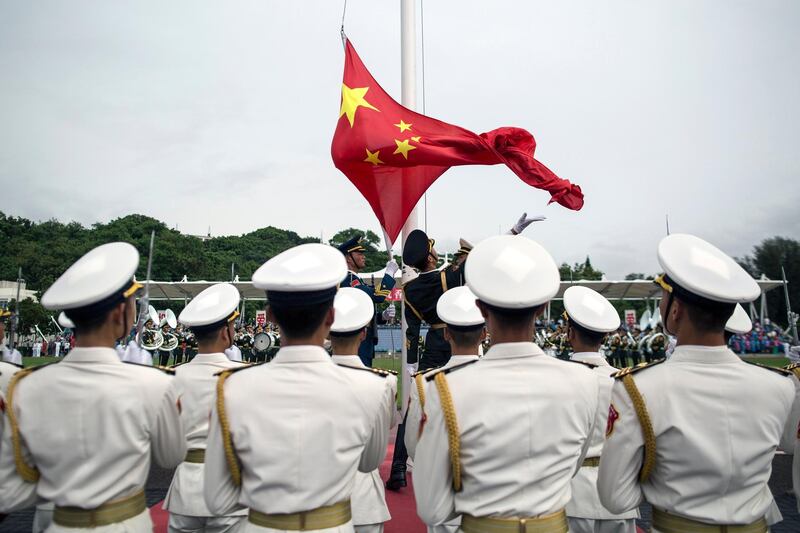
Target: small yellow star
403, 148
403, 126
416, 139
372, 157
352, 99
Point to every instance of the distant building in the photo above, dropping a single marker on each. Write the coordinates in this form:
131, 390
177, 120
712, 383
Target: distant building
8, 292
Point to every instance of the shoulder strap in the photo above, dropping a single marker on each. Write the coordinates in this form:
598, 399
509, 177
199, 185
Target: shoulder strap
420, 390
444, 281
413, 309
227, 440
781, 371
451, 425
26, 472
646, 424
794, 368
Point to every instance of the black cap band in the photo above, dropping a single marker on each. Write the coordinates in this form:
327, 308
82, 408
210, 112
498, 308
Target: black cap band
300, 299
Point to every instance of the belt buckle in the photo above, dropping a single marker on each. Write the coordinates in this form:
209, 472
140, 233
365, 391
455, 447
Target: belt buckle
303, 520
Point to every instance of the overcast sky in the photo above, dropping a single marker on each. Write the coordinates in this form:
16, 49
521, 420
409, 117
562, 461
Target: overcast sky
220, 114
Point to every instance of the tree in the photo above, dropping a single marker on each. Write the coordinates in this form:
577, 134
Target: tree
580, 271
32, 314
767, 259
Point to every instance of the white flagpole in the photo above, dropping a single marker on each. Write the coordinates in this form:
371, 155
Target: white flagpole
408, 59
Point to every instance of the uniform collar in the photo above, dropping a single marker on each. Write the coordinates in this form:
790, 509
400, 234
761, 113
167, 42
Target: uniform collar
510, 350
92, 355
594, 358
349, 360
203, 358
461, 358
301, 354
704, 354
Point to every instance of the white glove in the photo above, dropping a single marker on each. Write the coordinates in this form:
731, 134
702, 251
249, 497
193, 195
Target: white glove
524, 222
392, 267
389, 313
412, 368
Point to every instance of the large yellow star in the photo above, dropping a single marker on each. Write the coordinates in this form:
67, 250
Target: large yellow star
352, 99
372, 157
403, 126
403, 148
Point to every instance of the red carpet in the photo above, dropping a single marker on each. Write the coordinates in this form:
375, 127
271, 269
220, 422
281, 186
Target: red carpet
402, 506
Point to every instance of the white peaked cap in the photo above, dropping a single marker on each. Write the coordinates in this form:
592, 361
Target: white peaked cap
94, 277
304, 268
512, 272
704, 270
739, 323
456, 307
353, 310
215, 304
590, 309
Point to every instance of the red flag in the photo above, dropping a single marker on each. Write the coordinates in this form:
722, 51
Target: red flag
392, 154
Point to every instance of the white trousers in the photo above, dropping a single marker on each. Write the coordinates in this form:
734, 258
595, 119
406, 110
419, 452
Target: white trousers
179, 523
591, 525
369, 528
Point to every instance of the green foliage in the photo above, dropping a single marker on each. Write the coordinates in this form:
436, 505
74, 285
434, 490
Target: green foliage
580, 271
30, 314
767, 259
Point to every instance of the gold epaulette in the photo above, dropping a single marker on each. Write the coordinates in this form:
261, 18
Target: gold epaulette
781, 371
633, 369
450, 424
420, 390
794, 368
26, 472
377, 371
225, 428
584, 363
164, 369
430, 376
244, 366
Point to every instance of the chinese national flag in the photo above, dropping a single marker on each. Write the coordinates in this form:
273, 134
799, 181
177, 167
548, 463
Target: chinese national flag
392, 154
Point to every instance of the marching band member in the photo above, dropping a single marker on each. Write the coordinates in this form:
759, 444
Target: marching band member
353, 252
589, 318
465, 332
354, 313
504, 435
695, 434
286, 438
211, 316
61, 450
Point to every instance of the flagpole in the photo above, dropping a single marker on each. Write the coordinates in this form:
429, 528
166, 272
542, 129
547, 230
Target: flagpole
408, 60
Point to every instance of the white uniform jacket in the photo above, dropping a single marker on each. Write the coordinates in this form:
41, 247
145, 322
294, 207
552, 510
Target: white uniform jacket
90, 424
195, 384
368, 501
790, 442
6, 371
415, 410
10, 356
717, 422
301, 425
585, 502
524, 420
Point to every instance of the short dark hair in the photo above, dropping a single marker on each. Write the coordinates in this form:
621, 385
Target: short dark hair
87, 321
207, 334
587, 336
462, 337
300, 320
711, 318
515, 318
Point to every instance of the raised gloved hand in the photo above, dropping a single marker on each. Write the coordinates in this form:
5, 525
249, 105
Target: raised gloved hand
389, 313
524, 222
392, 267
412, 368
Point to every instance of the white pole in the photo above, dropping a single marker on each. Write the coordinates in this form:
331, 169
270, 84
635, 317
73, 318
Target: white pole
408, 59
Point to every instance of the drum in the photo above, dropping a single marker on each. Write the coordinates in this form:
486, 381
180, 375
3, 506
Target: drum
263, 342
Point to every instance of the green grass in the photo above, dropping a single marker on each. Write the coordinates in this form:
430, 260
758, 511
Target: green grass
768, 361
36, 361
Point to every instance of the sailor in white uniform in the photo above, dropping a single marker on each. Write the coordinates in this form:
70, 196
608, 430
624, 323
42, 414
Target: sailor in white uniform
695, 435
81, 433
504, 435
465, 330
354, 312
287, 437
589, 318
210, 315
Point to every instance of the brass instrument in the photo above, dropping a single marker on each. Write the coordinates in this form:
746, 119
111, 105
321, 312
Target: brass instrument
152, 339
170, 339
